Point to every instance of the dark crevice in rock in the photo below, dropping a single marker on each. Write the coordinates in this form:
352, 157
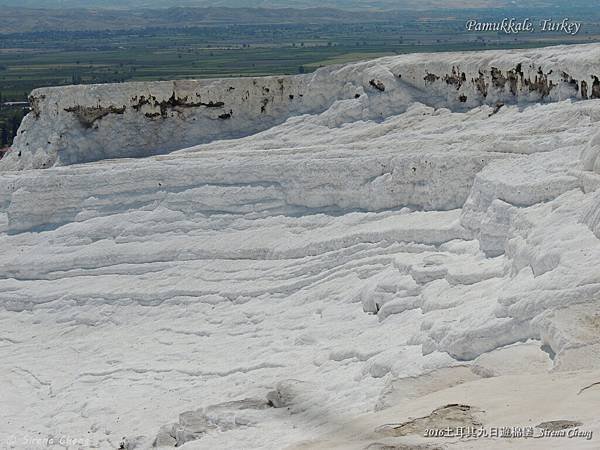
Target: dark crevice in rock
430, 77
212, 104
281, 85
377, 84
456, 78
87, 115
263, 105
173, 102
141, 101
498, 80
34, 104
515, 82
547, 349
480, 84
570, 80
584, 90
540, 83
596, 87
497, 108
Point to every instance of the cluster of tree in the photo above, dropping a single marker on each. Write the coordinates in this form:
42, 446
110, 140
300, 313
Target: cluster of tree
4, 138
10, 120
8, 131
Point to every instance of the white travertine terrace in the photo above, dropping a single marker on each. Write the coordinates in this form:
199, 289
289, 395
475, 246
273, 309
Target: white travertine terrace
302, 271
88, 123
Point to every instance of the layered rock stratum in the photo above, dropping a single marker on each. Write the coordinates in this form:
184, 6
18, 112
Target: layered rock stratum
344, 259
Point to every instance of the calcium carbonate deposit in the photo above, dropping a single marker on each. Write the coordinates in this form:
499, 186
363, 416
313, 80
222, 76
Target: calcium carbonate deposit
376, 255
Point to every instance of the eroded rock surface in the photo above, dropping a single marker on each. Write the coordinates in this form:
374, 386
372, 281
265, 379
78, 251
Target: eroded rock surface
448, 416
76, 124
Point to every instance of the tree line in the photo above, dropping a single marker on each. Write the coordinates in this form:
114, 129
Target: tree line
10, 120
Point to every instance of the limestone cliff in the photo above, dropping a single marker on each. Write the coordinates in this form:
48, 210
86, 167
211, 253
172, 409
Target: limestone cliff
77, 124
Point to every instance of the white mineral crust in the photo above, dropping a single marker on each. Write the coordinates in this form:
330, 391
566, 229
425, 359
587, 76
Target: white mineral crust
372, 243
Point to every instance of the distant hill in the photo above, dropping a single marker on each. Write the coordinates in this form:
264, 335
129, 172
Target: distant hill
338, 4
93, 15
17, 20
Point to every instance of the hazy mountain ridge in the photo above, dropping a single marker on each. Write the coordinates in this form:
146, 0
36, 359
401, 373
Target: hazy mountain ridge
74, 17
17, 20
338, 4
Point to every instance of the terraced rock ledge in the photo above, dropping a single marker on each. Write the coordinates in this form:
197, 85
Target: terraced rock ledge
335, 260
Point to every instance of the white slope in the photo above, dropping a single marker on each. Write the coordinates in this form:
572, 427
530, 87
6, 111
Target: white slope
321, 265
